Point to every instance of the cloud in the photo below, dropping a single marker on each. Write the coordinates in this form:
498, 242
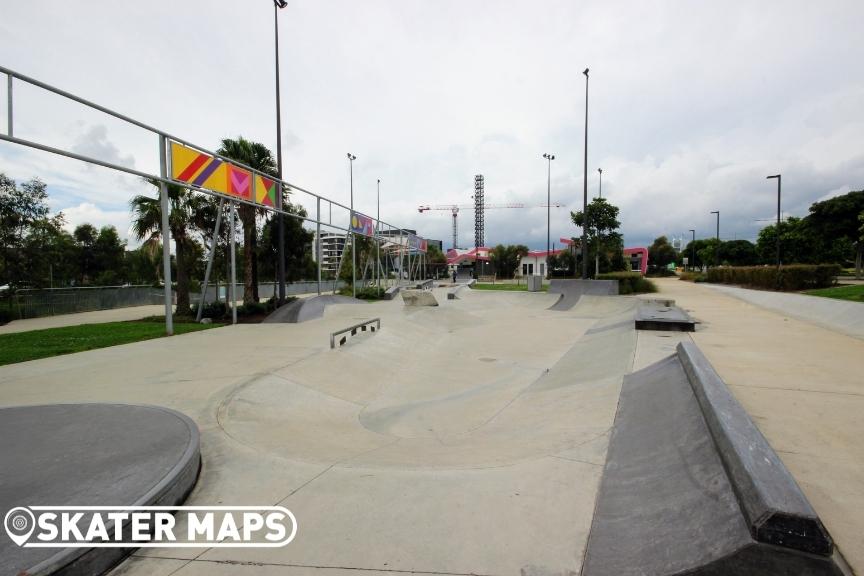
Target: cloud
94, 143
691, 105
87, 213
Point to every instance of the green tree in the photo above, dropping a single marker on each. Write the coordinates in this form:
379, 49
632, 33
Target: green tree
190, 214
602, 231
796, 243
257, 156
739, 253
505, 259
49, 254
299, 264
109, 254
20, 209
85, 239
660, 254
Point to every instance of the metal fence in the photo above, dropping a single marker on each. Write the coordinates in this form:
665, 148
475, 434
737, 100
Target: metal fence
55, 301
37, 303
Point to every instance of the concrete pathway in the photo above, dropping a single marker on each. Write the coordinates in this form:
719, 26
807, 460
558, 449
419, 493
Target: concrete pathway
803, 386
97, 317
839, 315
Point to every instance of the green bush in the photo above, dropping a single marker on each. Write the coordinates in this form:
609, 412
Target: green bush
252, 309
692, 277
5, 316
368, 293
630, 282
215, 310
786, 278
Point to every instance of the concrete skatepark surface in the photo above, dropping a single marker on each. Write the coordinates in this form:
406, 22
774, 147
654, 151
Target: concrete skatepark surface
570, 291
89, 455
463, 439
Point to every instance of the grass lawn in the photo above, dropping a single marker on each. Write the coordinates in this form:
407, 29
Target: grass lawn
23, 346
853, 293
510, 287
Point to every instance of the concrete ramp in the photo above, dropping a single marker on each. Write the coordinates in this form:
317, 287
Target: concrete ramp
692, 487
304, 309
660, 315
571, 290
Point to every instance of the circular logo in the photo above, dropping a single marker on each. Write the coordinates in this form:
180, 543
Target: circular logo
19, 523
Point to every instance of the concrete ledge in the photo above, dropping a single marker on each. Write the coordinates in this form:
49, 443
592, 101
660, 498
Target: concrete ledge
419, 298
572, 290
654, 316
776, 510
691, 487
391, 292
89, 455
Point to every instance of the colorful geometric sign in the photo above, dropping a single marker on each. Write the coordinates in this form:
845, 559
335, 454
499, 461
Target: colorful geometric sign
265, 191
361, 224
239, 182
417, 243
205, 171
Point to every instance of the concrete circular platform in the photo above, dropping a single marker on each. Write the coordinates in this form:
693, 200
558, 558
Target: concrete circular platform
88, 455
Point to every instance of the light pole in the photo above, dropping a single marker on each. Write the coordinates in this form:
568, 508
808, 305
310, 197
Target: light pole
693, 250
549, 158
280, 267
585, 189
351, 159
597, 252
777, 231
717, 253
378, 240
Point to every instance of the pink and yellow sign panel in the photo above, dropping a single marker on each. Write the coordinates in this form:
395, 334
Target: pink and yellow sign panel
361, 224
205, 171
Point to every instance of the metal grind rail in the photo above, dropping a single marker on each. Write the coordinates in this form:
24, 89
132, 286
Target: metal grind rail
353, 330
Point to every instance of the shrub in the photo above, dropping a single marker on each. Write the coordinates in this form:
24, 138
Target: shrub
368, 293
252, 309
630, 282
215, 310
692, 277
5, 316
786, 278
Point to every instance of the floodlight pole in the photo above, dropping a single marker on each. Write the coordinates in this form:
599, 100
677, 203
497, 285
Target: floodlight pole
280, 267
585, 189
693, 249
777, 231
165, 206
351, 159
320, 254
597, 251
378, 240
549, 158
717, 253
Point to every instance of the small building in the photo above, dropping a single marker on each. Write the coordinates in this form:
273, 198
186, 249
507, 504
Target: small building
638, 258
535, 262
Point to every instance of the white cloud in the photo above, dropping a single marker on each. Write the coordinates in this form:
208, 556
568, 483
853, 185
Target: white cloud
87, 213
691, 104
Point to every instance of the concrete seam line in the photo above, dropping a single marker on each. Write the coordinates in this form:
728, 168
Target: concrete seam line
773, 504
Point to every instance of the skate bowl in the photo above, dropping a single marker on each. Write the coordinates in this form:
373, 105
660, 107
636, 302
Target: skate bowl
691, 486
305, 309
571, 290
90, 455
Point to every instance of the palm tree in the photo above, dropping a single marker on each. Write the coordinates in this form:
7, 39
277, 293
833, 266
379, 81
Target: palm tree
257, 156
190, 213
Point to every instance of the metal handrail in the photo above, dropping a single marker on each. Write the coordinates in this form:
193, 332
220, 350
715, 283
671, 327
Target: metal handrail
353, 329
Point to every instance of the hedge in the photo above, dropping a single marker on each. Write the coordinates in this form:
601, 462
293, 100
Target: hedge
794, 277
629, 282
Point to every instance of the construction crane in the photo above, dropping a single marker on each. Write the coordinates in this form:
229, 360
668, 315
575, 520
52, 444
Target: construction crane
454, 210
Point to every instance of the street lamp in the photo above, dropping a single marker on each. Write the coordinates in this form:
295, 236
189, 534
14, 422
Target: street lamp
280, 267
693, 250
549, 158
777, 231
717, 254
351, 159
378, 240
597, 252
585, 189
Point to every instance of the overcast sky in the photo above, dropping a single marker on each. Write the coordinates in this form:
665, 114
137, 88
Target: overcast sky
691, 104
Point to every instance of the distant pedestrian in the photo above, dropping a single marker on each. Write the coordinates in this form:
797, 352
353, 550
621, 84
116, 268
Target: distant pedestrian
454, 276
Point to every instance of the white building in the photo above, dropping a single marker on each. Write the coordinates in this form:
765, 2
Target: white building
332, 244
